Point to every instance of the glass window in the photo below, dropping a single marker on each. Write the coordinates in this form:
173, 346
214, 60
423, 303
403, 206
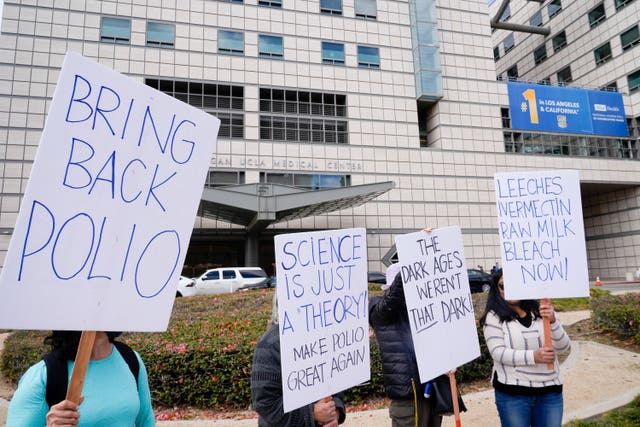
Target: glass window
368, 57
559, 41
224, 178
270, 3
496, 53
270, 47
630, 38
545, 81
564, 75
506, 14
366, 9
231, 42
212, 275
536, 19
610, 87
508, 43
554, 7
634, 81
332, 53
333, 7
621, 3
115, 30
597, 15
161, 35
228, 274
540, 54
603, 53
512, 73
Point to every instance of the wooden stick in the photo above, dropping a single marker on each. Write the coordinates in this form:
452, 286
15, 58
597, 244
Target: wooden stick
454, 398
547, 332
74, 392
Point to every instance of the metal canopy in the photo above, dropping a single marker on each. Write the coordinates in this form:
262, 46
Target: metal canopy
256, 206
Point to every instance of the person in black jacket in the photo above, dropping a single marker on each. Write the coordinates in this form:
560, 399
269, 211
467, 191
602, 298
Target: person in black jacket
390, 321
266, 388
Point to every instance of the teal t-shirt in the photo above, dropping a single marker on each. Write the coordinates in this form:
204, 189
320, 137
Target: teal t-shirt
110, 396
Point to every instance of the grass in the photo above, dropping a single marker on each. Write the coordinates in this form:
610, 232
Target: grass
627, 416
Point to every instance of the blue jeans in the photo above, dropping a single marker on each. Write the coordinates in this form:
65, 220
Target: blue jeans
525, 411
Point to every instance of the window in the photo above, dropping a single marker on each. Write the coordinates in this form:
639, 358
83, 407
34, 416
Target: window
161, 35
223, 178
512, 73
559, 41
115, 30
508, 43
634, 81
536, 19
332, 53
545, 81
230, 42
228, 274
366, 9
308, 181
496, 53
270, 47
270, 3
332, 7
621, 3
564, 75
597, 15
610, 87
540, 54
603, 53
630, 38
554, 8
368, 57
506, 14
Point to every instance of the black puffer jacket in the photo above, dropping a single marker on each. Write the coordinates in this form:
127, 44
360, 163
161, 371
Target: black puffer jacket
390, 322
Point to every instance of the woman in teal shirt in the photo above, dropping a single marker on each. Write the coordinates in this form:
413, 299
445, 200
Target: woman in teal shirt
110, 395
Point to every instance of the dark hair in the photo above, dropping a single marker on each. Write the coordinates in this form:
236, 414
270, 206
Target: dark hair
65, 343
497, 304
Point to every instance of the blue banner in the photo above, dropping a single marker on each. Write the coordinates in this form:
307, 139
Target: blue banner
564, 109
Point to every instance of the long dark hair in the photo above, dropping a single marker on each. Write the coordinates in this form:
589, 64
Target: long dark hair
65, 343
497, 304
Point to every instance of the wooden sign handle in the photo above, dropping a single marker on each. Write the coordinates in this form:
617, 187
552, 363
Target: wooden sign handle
547, 333
74, 392
454, 398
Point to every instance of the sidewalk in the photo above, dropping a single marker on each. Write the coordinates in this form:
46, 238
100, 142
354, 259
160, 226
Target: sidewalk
597, 378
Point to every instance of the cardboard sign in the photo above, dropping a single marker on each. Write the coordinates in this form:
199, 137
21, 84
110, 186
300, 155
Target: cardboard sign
323, 313
436, 289
107, 215
542, 234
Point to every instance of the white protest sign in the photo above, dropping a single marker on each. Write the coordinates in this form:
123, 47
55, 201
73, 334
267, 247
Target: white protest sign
542, 234
107, 215
323, 313
439, 305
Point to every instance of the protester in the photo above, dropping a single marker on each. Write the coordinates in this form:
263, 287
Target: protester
110, 395
495, 268
266, 388
527, 392
390, 321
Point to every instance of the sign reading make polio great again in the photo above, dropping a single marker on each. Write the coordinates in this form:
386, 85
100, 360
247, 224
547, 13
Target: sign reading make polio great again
107, 215
542, 234
323, 313
564, 109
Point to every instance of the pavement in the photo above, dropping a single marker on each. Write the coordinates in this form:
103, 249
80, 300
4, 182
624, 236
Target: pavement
597, 378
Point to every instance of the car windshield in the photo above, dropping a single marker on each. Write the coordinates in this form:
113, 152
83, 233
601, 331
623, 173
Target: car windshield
252, 274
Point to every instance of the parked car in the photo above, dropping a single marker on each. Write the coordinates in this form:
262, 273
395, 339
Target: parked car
376, 277
269, 282
228, 279
479, 281
186, 287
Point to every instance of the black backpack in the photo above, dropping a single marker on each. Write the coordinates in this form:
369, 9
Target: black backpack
58, 374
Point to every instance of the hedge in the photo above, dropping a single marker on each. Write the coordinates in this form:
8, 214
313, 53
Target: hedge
619, 314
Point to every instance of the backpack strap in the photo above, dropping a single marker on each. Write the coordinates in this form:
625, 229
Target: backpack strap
58, 372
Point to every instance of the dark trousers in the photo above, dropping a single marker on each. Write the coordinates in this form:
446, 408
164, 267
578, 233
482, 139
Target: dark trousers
402, 413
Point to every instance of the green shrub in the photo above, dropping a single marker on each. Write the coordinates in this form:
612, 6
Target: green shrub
619, 314
626, 416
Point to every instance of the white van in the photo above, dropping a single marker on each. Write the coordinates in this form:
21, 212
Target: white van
228, 279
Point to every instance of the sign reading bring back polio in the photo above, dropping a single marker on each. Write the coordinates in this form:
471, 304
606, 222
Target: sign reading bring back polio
107, 215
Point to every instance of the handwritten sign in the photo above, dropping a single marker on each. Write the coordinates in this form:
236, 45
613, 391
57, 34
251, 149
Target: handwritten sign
436, 289
323, 313
542, 234
107, 215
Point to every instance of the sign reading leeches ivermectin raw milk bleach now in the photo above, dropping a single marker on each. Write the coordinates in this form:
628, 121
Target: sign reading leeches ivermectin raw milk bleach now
542, 234
439, 305
107, 215
323, 313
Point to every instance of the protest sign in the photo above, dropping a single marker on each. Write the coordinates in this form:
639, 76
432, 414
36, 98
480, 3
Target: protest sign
323, 313
541, 234
436, 289
107, 215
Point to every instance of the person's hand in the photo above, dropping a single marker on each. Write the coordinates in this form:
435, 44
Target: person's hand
544, 355
64, 413
546, 310
324, 412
